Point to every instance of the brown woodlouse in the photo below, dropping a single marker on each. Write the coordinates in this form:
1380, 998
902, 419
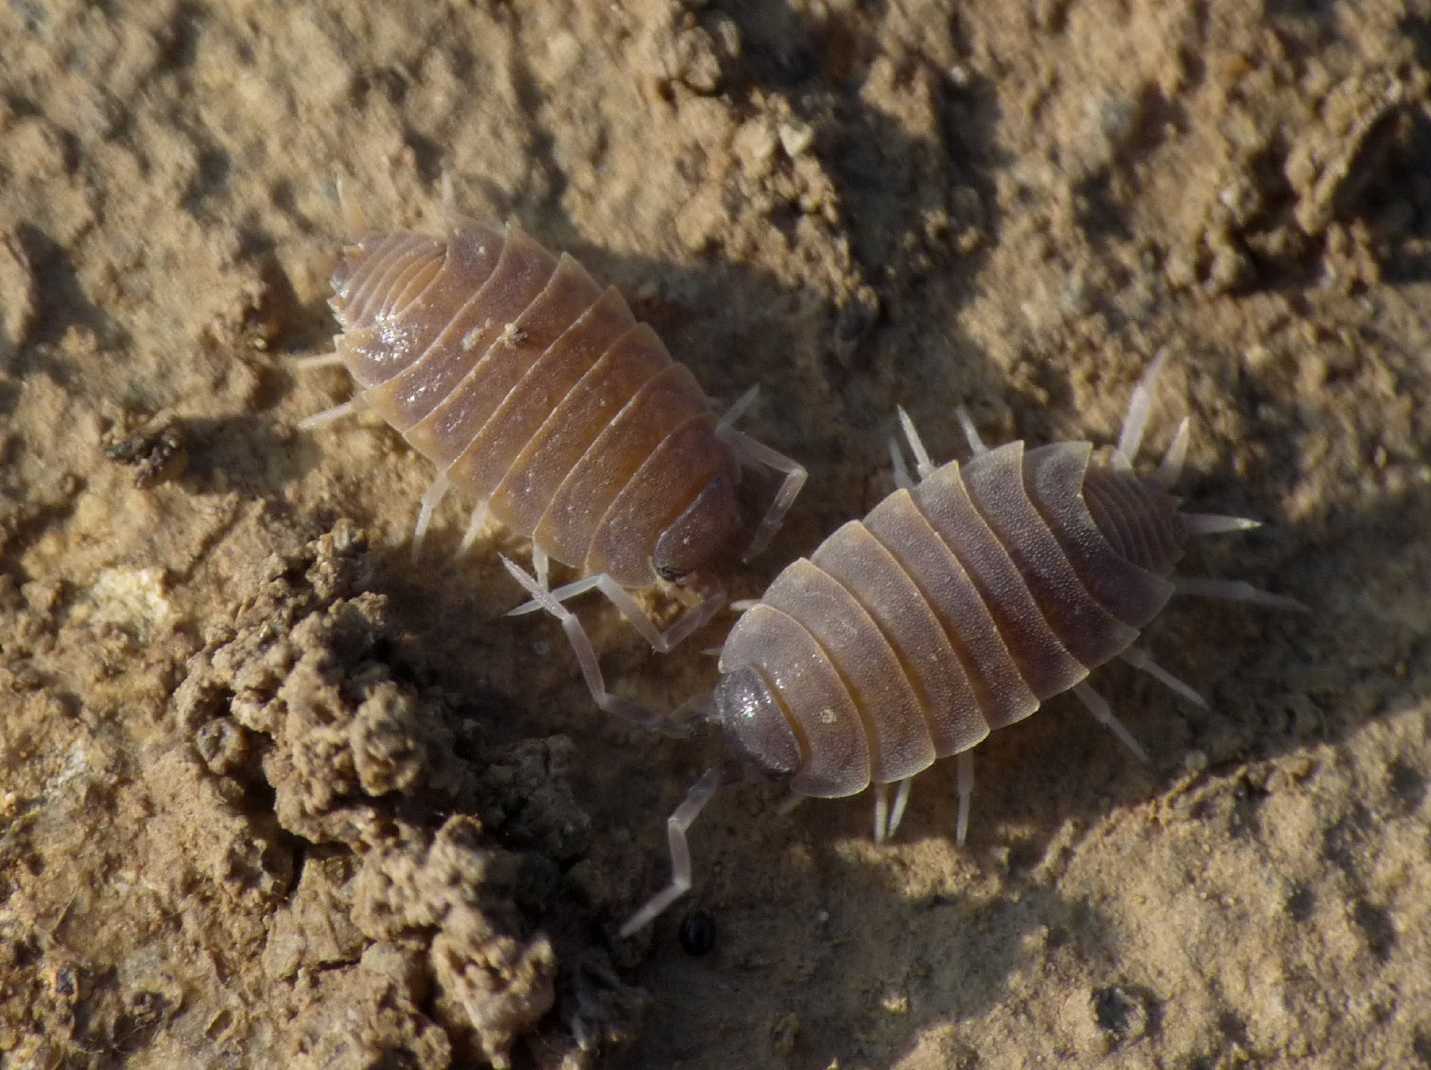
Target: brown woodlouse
537, 392
958, 605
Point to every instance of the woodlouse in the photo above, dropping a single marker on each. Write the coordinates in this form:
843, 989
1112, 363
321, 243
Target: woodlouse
537, 392
956, 606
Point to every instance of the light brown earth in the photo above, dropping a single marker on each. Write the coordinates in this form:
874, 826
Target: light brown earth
271, 795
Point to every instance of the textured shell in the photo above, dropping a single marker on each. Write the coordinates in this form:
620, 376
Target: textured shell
537, 392
952, 609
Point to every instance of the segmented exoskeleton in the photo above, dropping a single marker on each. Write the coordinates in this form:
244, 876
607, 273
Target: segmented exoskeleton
537, 393
958, 605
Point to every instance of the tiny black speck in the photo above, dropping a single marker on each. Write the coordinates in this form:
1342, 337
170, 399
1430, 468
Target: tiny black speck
698, 933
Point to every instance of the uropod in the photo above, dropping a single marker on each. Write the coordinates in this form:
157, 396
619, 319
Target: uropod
537, 393
958, 605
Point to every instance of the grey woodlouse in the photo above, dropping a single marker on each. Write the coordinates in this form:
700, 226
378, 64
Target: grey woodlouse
956, 606
537, 392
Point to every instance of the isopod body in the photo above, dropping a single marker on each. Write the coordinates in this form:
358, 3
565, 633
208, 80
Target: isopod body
955, 607
958, 605
537, 393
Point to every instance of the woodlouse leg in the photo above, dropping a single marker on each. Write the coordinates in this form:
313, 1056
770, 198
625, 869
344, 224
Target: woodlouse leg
881, 811
585, 655
564, 593
676, 826
430, 500
355, 404
308, 364
901, 801
543, 566
1139, 406
355, 221
1236, 591
1213, 524
971, 433
902, 479
736, 411
690, 621
964, 770
475, 525
1104, 715
922, 464
752, 451
1141, 660
1171, 468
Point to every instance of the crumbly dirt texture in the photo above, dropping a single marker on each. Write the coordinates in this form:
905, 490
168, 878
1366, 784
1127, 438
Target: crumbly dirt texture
272, 794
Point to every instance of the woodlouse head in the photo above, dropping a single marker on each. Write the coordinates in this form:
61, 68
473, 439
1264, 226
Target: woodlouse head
704, 538
755, 721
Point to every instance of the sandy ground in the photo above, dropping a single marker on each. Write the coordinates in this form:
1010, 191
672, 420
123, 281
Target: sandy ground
273, 796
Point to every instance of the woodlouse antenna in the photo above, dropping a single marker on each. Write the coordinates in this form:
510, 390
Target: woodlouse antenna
1104, 715
676, 826
902, 479
923, 466
1140, 659
435, 493
971, 433
355, 220
308, 364
1215, 524
737, 410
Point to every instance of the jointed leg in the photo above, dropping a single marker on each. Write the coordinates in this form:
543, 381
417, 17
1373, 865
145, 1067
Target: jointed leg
1104, 715
753, 452
881, 811
676, 826
1140, 659
901, 800
430, 501
581, 645
543, 565
1139, 406
357, 403
1236, 591
690, 621
308, 364
964, 768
